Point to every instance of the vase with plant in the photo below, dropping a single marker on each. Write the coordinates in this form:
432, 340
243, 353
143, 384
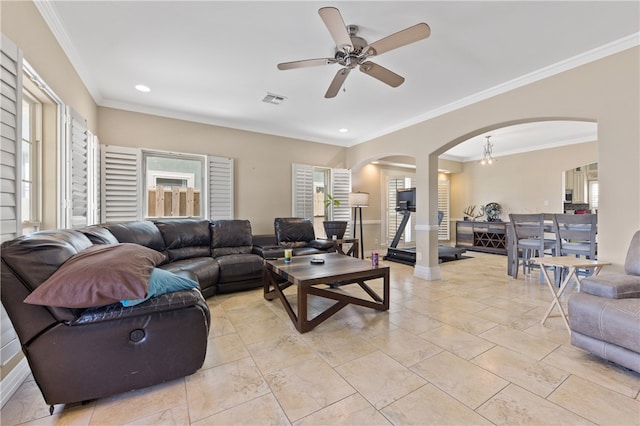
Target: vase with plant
333, 228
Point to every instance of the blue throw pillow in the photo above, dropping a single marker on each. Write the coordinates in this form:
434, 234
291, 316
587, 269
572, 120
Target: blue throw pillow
161, 282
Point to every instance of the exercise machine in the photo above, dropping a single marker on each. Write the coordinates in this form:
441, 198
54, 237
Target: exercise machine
405, 205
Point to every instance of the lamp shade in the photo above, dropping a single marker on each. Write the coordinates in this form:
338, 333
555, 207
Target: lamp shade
358, 199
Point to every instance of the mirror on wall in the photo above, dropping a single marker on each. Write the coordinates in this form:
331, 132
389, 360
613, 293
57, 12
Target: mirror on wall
581, 189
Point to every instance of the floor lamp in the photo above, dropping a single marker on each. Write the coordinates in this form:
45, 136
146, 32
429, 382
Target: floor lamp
358, 200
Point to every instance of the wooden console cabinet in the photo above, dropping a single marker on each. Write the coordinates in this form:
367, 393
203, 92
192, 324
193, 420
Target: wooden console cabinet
490, 237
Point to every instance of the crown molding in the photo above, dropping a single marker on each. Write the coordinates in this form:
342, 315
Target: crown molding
48, 13
608, 49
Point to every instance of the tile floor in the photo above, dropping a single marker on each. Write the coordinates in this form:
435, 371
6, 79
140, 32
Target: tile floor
468, 349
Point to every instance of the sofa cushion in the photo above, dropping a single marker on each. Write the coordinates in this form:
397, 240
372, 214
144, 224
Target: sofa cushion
140, 232
162, 282
230, 237
306, 250
99, 235
239, 267
293, 230
205, 270
612, 286
99, 275
185, 238
326, 245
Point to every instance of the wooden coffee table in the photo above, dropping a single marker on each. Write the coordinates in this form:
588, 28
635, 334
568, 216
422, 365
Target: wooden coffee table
338, 270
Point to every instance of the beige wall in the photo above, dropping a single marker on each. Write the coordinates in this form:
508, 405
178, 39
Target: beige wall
520, 183
23, 24
262, 162
606, 91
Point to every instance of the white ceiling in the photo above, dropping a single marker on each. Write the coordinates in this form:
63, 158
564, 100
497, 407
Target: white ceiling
214, 61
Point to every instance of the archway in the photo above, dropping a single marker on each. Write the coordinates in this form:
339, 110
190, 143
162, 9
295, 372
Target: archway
484, 183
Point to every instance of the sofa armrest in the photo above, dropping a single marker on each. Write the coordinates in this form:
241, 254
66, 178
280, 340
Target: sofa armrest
612, 286
328, 245
268, 252
166, 302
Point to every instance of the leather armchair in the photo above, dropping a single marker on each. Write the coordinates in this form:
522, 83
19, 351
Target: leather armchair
298, 234
604, 316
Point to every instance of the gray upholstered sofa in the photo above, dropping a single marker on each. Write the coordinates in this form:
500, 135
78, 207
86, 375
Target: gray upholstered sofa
604, 315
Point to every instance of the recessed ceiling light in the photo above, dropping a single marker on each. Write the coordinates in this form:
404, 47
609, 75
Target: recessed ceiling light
142, 88
343, 130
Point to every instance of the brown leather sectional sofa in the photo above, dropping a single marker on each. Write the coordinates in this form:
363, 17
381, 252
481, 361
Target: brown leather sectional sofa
82, 354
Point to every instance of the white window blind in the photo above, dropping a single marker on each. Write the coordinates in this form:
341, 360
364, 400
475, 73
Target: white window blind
221, 200
593, 194
443, 206
93, 179
78, 191
10, 180
120, 184
10, 119
340, 188
302, 191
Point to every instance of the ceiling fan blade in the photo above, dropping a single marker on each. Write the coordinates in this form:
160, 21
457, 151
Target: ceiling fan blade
399, 39
335, 24
305, 63
337, 82
382, 74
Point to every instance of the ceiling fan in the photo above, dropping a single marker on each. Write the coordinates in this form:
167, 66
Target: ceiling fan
354, 51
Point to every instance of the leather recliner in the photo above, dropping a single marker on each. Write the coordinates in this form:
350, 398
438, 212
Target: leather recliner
604, 316
297, 234
82, 354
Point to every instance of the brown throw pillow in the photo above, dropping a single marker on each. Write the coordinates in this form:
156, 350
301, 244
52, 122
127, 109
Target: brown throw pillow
99, 275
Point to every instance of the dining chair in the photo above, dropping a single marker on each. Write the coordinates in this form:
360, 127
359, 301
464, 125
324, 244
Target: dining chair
576, 234
529, 241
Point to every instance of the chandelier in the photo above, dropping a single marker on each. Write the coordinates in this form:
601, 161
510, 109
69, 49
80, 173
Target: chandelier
487, 157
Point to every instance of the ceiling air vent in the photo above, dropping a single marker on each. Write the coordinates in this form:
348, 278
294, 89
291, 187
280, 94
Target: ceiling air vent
270, 98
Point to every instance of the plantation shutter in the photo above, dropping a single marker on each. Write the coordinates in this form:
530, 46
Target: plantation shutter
221, 200
77, 141
10, 177
340, 188
120, 184
302, 193
11, 139
93, 179
443, 206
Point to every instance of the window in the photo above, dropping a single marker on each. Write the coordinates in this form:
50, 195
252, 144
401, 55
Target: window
131, 179
310, 184
443, 206
593, 195
31, 136
174, 185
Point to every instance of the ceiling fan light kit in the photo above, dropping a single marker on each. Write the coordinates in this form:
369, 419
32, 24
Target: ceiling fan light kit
353, 51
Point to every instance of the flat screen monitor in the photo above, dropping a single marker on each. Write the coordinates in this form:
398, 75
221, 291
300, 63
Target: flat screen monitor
406, 199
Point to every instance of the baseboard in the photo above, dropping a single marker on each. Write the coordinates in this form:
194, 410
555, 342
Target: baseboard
427, 273
10, 384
